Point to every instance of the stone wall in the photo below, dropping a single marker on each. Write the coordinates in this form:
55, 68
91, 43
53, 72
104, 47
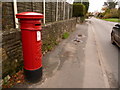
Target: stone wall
11, 52
12, 59
52, 33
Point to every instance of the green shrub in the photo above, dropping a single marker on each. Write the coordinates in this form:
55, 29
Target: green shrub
82, 19
49, 47
65, 35
78, 10
113, 13
119, 12
108, 15
86, 6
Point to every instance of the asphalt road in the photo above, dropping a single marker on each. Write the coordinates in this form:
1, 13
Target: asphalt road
86, 59
109, 53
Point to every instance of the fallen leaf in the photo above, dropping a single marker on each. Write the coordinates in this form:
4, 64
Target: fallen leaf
18, 81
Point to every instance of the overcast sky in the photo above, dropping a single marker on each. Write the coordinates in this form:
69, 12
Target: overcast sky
96, 5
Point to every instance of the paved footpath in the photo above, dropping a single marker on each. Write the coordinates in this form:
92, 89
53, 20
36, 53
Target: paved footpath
74, 63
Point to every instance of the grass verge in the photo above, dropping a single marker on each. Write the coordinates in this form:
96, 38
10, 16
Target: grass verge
112, 19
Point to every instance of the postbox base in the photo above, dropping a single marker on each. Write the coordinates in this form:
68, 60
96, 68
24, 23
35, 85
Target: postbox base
33, 76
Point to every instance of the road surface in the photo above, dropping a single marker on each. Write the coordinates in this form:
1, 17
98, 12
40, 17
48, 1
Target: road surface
86, 59
109, 54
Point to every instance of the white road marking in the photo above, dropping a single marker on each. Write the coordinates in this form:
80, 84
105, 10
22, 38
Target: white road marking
101, 58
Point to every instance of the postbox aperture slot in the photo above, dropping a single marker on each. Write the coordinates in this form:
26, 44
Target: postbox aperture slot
37, 24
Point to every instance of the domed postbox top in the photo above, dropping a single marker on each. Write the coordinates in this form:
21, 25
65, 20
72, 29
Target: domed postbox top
29, 15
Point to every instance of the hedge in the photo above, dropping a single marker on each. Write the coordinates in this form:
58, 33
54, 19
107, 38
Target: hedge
78, 10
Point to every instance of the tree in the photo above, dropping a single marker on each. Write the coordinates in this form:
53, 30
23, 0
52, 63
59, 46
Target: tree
110, 4
109, 10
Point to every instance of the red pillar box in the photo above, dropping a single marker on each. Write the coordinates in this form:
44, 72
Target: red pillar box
31, 43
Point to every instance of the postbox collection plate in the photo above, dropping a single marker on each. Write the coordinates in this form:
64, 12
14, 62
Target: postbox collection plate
38, 35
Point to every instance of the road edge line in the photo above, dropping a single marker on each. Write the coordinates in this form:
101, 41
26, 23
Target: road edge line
106, 80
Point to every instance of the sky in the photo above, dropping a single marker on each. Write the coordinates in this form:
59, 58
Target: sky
96, 5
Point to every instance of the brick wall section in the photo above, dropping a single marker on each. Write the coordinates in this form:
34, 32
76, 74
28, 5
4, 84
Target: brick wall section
38, 7
70, 11
0, 16
66, 11
61, 10
48, 9
11, 51
8, 12
24, 7
12, 59
53, 13
7, 15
